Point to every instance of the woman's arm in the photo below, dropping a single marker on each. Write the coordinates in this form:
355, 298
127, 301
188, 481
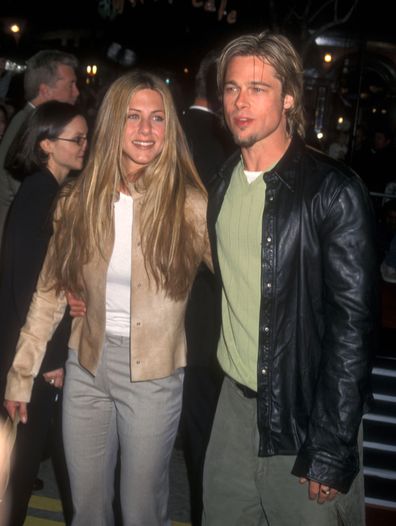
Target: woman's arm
45, 313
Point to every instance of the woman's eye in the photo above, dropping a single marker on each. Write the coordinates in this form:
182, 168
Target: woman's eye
158, 118
133, 116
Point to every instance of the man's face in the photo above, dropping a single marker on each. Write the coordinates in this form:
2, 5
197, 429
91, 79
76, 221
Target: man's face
65, 88
254, 107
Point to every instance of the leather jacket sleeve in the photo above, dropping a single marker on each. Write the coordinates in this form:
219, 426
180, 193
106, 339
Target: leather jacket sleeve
329, 453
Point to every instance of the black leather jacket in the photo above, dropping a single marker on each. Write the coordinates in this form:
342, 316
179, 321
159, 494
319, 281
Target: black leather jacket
318, 311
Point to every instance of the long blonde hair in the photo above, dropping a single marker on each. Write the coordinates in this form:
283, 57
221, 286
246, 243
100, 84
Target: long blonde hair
87, 205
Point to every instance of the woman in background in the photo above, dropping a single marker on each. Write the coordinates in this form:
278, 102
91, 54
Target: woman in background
51, 145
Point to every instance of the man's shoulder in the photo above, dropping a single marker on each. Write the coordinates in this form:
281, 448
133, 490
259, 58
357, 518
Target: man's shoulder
330, 178
196, 122
316, 161
12, 130
19, 118
223, 175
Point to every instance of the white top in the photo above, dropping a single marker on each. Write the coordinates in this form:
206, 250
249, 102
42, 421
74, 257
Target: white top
251, 176
118, 286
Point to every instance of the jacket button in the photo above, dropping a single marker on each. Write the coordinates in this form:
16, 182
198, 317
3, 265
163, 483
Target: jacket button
264, 371
269, 239
266, 329
269, 285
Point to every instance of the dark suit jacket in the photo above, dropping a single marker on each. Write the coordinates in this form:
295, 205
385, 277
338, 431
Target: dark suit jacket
209, 141
210, 145
28, 230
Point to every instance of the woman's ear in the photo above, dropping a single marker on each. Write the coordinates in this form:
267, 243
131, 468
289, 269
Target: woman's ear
46, 145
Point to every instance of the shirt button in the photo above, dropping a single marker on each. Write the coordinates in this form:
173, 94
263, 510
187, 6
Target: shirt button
138, 323
138, 243
138, 362
139, 285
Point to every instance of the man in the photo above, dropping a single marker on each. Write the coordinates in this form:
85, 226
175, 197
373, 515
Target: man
50, 75
211, 144
292, 235
209, 140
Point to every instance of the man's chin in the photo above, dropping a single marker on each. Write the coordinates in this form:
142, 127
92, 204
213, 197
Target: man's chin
245, 142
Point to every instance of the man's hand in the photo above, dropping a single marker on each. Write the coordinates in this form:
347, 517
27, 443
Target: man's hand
77, 306
319, 492
55, 377
15, 409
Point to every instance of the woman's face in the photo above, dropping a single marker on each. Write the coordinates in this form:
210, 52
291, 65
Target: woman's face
66, 152
144, 132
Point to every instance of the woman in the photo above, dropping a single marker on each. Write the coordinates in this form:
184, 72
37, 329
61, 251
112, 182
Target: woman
129, 236
51, 145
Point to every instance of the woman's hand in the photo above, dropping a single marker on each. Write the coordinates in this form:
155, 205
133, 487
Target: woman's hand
55, 377
17, 409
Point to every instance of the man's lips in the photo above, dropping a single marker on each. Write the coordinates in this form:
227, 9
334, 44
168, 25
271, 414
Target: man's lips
242, 122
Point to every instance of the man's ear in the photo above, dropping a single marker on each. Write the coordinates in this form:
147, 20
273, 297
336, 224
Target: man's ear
288, 102
44, 91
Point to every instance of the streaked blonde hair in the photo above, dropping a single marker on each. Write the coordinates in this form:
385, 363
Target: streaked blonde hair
87, 205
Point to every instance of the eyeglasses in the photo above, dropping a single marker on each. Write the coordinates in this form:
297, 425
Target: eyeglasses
77, 140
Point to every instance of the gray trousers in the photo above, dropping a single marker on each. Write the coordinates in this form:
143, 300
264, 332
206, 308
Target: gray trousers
107, 412
242, 489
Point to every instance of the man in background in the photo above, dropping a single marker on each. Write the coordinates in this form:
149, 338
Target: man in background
211, 144
50, 75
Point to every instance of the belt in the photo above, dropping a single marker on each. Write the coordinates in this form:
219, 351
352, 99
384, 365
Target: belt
245, 390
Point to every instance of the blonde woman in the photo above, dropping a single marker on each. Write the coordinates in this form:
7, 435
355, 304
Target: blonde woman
128, 238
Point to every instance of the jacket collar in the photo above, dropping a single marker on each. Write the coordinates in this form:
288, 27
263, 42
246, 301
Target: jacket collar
284, 170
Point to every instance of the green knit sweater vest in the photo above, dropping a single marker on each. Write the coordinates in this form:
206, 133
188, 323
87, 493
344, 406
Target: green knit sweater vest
238, 229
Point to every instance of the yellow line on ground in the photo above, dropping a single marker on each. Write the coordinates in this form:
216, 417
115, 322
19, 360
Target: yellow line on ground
49, 504
38, 521
45, 503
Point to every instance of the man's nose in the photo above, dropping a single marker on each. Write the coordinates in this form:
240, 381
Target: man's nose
241, 100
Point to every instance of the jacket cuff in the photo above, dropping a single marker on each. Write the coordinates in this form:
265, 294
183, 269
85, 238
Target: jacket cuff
326, 470
19, 388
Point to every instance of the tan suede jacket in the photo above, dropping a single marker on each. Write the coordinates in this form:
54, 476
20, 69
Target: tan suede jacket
158, 342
